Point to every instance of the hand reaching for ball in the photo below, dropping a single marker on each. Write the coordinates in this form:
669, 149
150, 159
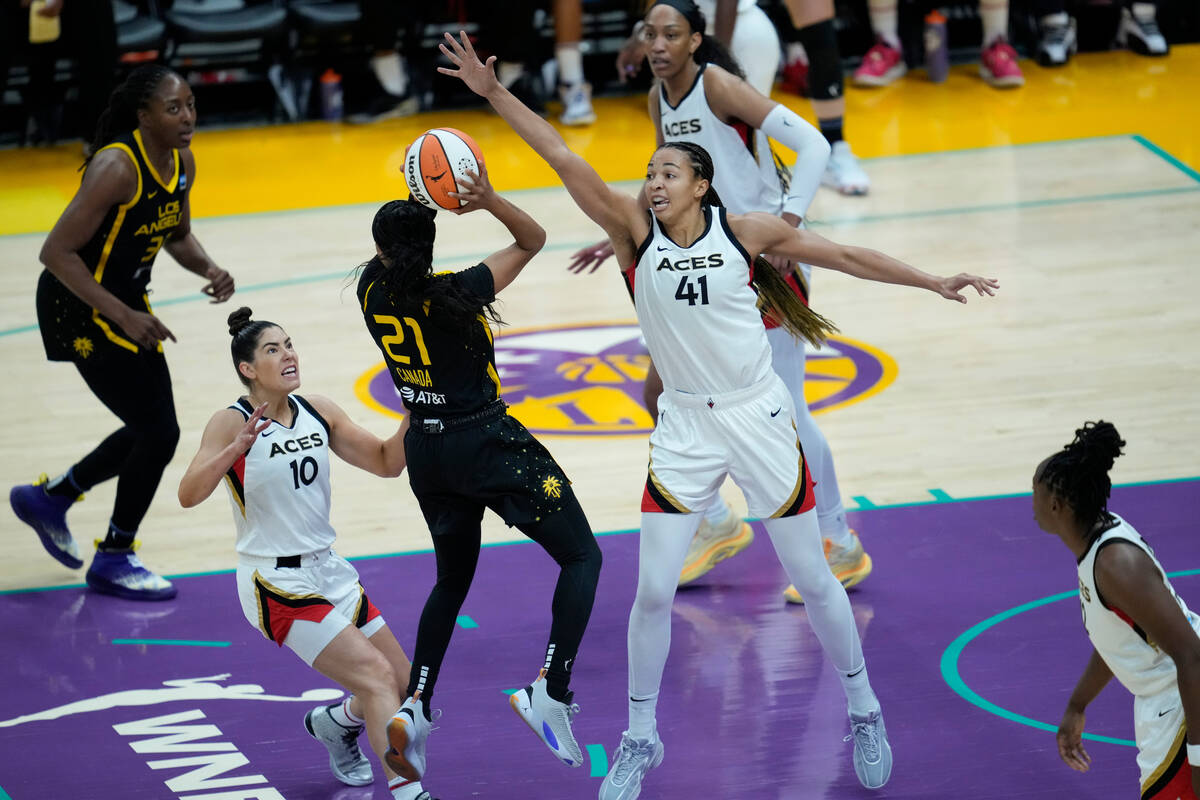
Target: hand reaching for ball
479, 76
474, 191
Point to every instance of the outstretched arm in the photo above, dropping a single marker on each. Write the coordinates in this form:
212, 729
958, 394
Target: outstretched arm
613, 211
358, 446
528, 236
764, 233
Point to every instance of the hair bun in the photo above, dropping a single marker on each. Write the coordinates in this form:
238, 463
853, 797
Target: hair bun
238, 320
1098, 443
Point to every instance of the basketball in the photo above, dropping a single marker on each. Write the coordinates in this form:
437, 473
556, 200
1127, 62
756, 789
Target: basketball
434, 164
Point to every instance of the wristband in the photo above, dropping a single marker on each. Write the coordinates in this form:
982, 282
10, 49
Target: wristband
1193, 751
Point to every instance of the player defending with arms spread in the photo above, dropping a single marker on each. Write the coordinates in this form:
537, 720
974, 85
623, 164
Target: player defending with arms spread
723, 411
1141, 631
466, 454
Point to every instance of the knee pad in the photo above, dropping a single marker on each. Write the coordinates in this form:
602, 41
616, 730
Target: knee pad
825, 78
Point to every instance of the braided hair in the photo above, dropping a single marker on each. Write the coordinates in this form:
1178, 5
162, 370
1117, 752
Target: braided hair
245, 335
1079, 472
404, 231
710, 51
124, 103
776, 299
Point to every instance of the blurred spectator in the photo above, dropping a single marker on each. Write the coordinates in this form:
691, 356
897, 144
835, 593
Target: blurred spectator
396, 69
1137, 30
884, 62
88, 38
507, 31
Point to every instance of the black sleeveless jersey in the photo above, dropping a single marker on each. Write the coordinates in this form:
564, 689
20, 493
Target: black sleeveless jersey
440, 366
120, 255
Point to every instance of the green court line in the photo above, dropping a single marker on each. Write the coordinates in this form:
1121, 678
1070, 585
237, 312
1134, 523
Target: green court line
940, 495
180, 642
466, 622
869, 506
598, 757
4, 795
1167, 157
953, 679
511, 692
843, 222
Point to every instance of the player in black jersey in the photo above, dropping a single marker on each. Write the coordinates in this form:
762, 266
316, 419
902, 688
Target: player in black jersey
465, 454
93, 311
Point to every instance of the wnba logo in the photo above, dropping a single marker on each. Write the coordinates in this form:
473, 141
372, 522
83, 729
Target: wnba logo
586, 380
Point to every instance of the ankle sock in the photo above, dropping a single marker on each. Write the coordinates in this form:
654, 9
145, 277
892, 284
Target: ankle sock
343, 716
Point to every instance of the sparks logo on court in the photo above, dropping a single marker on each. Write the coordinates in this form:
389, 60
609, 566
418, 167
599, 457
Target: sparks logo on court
587, 379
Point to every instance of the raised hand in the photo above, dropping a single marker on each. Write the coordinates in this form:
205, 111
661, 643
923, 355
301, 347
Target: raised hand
476, 192
949, 287
479, 77
593, 255
255, 425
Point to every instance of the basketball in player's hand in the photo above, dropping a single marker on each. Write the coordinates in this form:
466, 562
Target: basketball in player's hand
436, 162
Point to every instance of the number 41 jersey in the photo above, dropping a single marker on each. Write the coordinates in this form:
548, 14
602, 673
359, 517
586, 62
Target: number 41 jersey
698, 311
279, 488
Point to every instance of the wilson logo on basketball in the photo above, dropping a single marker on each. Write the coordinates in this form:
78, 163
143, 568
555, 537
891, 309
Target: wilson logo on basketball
587, 380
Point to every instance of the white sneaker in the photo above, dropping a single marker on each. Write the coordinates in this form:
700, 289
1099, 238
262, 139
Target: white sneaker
872, 753
407, 733
713, 543
549, 719
346, 759
577, 105
632, 760
843, 172
1057, 43
1141, 34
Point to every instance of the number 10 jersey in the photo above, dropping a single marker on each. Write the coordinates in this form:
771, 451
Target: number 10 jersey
279, 488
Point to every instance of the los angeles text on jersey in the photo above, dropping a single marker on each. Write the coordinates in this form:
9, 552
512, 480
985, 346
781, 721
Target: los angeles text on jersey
296, 445
687, 264
168, 217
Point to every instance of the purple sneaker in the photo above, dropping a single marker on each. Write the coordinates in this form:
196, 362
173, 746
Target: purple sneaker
47, 515
122, 574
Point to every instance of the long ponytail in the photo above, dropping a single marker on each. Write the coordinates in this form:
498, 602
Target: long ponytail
776, 299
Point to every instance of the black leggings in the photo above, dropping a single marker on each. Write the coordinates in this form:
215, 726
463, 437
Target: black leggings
137, 388
564, 535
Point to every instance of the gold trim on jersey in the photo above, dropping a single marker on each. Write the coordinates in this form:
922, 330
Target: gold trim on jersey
170, 187
491, 368
662, 490
1172, 753
235, 494
367, 294
120, 341
799, 487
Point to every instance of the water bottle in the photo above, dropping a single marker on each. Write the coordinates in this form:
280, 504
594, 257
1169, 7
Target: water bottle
937, 54
42, 29
331, 95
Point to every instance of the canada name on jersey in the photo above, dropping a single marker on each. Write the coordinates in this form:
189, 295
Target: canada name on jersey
286, 446
688, 264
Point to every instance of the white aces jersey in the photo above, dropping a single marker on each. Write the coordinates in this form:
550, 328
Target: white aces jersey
1140, 665
697, 310
279, 488
743, 183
